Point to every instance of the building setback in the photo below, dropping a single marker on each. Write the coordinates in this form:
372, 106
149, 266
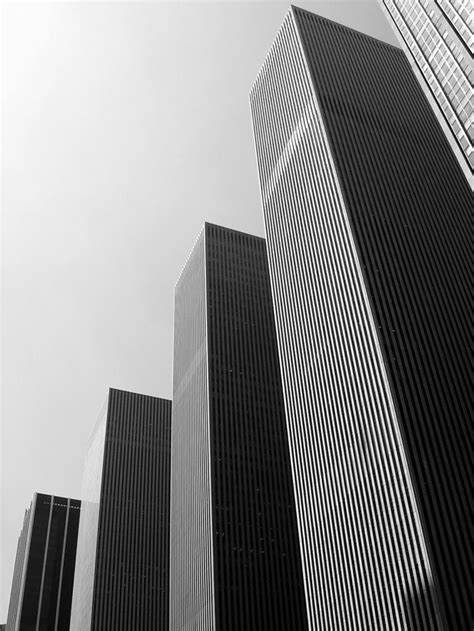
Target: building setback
438, 40
41, 592
369, 230
235, 560
122, 573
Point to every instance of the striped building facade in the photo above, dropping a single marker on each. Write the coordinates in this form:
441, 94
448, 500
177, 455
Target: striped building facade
438, 38
41, 592
235, 559
122, 572
369, 223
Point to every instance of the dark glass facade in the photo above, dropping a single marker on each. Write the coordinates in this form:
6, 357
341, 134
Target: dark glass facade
227, 384
44, 568
123, 552
370, 229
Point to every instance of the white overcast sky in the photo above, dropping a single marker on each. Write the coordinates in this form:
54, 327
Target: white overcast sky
124, 127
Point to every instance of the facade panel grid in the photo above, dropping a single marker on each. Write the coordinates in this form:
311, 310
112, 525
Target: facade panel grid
438, 39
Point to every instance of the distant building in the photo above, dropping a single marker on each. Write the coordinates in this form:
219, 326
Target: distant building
369, 225
438, 39
43, 575
235, 558
121, 580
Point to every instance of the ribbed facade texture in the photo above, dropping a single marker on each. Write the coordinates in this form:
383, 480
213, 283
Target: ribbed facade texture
369, 228
43, 576
122, 573
17, 572
438, 38
235, 558
191, 536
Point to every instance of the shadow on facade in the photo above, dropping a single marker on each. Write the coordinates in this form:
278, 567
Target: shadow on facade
418, 606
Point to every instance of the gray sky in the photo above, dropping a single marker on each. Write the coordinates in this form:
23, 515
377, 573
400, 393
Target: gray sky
125, 127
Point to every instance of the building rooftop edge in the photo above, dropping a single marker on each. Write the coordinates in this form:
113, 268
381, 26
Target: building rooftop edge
203, 228
294, 8
140, 394
247, 234
66, 497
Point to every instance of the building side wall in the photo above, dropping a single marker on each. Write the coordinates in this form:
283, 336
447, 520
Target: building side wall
365, 561
43, 583
132, 558
88, 528
36, 554
191, 572
257, 564
16, 589
411, 213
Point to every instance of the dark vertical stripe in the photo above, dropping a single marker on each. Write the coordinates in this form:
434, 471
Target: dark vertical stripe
68, 566
36, 557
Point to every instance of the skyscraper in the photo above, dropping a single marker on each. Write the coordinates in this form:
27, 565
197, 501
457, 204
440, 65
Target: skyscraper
121, 580
369, 230
43, 575
235, 560
438, 39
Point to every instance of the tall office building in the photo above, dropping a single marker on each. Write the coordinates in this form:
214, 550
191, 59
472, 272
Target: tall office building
438, 39
41, 592
369, 230
235, 560
122, 572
